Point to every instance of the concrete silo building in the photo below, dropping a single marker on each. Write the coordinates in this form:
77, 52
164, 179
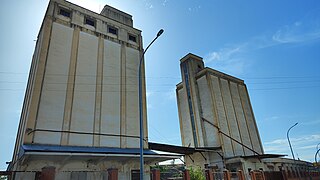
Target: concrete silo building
215, 113
80, 113
218, 127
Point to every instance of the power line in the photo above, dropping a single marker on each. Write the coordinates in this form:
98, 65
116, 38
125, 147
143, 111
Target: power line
158, 91
171, 77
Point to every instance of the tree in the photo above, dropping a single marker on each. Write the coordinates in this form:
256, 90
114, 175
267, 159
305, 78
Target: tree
196, 174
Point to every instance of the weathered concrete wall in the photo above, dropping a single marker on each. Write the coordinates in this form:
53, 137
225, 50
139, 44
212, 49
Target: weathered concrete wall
243, 129
53, 93
219, 102
231, 118
111, 100
250, 120
185, 122
84, 80
222, 119
212, 138
83, 107
81, 169
132, 97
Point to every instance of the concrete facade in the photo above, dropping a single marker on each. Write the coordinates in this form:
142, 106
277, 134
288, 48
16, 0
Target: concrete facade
216, 117
82, 90
215, 112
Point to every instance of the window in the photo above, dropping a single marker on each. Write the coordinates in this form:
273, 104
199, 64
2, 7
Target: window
113, 30
89, 21
135, 174
132, 38
65, 12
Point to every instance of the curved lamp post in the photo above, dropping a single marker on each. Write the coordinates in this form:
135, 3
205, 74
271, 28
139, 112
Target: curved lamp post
140, 106
289, 139
315, 156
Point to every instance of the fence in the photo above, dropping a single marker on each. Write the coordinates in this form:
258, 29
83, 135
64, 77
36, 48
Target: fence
112, 174
261, 175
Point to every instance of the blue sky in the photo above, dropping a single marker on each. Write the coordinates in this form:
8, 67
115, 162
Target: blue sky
274, 46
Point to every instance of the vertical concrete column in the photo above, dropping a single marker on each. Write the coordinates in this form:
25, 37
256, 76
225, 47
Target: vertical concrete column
226, 175
112, 174
209, 175
155, 174
252, 175
70, 86
262, 174
284, 175
97, 113
38, 79
48, 173
186, 175
240, 175
123, 140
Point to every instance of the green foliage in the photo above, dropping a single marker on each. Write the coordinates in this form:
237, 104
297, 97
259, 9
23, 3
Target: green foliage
161, 168
196, 174
3, 177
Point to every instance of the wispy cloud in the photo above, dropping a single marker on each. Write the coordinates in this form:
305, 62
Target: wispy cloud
227, 59
311, 122
304, 30
149, 93
232, 58
305, 146
171, 94
150, 5
272, 118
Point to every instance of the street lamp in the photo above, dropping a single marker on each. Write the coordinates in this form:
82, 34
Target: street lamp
289, 139
140, 105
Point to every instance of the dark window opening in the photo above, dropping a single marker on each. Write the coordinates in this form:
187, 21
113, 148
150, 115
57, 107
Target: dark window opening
135, 174
113, 30
89, 21
65, 13
132, 38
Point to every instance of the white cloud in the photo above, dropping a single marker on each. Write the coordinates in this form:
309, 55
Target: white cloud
171, 94
232, 58
164, 3
311, 122
304, 30
149, 93
273, 118
304, 146
227, 59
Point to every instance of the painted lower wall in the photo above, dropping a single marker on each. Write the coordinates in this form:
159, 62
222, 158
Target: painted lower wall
77, 169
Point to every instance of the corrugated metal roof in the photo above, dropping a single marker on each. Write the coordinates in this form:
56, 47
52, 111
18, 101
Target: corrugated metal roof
83, 149
180, 149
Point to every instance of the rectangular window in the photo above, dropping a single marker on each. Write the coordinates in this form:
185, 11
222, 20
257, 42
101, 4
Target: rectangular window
89, 21
65, 12
132, 38
113, 30
135, 174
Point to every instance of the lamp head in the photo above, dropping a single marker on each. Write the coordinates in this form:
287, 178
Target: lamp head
160, 32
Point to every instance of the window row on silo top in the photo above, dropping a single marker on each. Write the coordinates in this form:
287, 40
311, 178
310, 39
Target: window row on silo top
96, 24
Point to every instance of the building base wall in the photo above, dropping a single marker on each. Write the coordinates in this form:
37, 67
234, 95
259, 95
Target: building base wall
78, 169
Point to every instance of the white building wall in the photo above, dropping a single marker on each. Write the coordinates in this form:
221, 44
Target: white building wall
253, 132
244, 133
52, 100
222, 119
232, 121
185, 121
211, 132
132, 97
110, 111
84, 90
